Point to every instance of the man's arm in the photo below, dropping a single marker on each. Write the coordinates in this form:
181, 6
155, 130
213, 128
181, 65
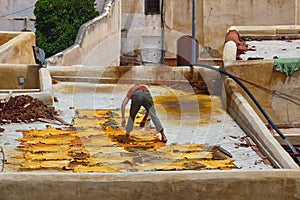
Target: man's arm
124, 103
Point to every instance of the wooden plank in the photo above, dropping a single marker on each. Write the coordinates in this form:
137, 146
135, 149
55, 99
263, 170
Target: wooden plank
50, 121
62, 121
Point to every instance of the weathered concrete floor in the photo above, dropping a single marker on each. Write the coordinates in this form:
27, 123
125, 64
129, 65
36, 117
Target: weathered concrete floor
268, 49
209, 123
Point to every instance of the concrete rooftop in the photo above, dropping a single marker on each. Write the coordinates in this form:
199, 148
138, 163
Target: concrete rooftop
183, 124
268, 49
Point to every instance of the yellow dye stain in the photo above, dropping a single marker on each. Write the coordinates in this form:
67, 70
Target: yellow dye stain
107, 169
89, 133
47, 156
82, 89
90, 114
49, 141
44, 148
49, 131
161, 166
93, 144
103, 141
38, 165
188, 108
101, 151
86, 123
113, 160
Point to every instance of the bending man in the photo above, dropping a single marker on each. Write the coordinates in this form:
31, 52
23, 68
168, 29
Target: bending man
140, 96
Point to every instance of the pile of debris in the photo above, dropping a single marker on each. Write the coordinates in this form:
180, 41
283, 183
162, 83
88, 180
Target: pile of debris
24, 108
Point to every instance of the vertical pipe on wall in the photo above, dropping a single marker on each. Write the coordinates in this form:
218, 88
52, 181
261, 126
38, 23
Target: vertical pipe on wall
296, 12
162, 33
194, 33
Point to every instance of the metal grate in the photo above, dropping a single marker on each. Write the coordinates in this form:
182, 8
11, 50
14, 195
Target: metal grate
152, 7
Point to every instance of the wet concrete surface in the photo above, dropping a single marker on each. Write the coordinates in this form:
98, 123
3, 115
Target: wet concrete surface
191, 119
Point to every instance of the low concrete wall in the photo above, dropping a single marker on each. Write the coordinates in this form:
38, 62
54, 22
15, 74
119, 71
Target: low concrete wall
6, 36
18, 48
277, 93
98, 41
10, 74
208, 185
268, 31
37, 82
249, 121
45, 84
137, 74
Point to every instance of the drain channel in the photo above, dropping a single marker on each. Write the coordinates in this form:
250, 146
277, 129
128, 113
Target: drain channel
292, 154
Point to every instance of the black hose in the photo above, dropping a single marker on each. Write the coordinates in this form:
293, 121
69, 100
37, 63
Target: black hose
3, 159
254, 100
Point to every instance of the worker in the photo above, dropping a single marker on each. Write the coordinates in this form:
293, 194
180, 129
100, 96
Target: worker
233, 35
140, 96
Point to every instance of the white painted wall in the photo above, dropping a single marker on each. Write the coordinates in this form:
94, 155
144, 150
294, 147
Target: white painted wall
141, 33
98, 41
12, 11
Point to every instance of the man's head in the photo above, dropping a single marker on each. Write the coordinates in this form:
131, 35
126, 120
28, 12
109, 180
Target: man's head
232, 28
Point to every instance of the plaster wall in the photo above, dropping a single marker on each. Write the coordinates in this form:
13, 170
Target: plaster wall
10, 74
276, 92
19, 73
17, 48
297, 11
17, 15
100, 4
6, 36
135, 74
98, 41
141, 34
213, 18
37, 82
178, 23
219, 15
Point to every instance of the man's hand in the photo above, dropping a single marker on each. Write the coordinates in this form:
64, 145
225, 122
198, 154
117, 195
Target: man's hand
142, 123
123, 122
